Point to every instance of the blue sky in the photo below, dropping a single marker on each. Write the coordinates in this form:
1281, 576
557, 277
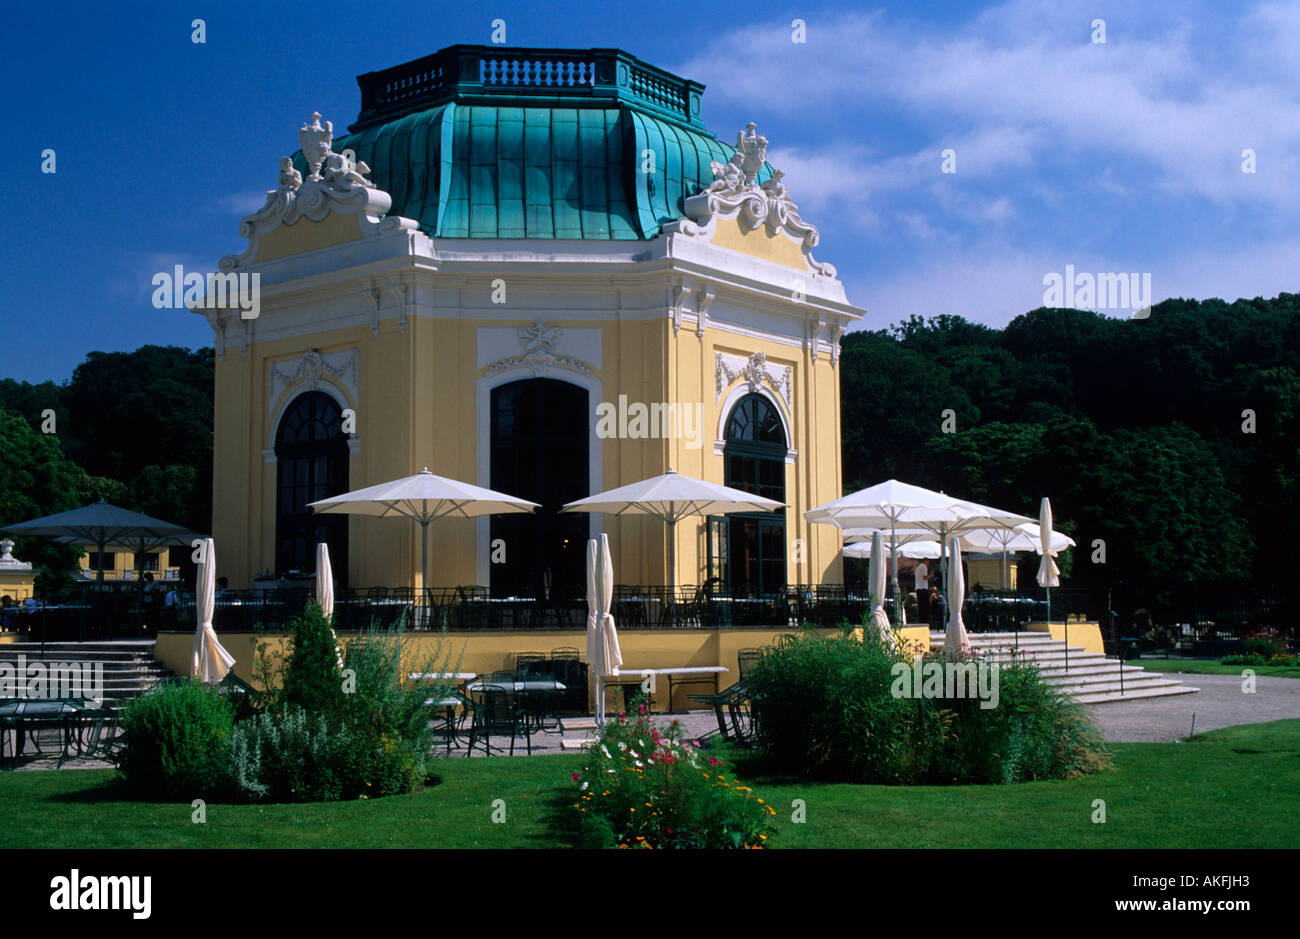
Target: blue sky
1117, 157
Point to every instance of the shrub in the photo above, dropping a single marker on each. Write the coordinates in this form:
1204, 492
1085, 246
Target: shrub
312, 677
643, 788
827, 708
176, 739
297, 757
1243, 660
378, 697
1265, 641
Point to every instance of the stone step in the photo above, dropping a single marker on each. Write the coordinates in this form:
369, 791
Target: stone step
569, 743
1098, 682
1135, 694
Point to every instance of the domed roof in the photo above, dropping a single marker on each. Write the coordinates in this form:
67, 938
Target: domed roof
486, 142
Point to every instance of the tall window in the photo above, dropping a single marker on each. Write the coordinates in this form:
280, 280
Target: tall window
541, 432
750, 558
311, 453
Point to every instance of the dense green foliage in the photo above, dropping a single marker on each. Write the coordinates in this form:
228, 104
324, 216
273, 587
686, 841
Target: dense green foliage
313, 678
133, 428
826, 708
327, 733
176, 741
642, 788
1134, 429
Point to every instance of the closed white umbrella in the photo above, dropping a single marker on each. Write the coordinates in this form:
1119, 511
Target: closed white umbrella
1048, 572
672, 497
609, 658
423, 497
954, 637
593, 625
325, 591
211, 661
884, 632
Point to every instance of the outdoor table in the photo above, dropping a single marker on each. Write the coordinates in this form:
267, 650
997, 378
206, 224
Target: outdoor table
695, 674
36, 714
525, 685
431, 676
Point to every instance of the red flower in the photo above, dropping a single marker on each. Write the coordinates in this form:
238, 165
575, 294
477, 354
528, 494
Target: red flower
574, 776
714, 761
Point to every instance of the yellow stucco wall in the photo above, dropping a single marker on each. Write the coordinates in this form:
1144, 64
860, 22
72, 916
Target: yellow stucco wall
17, 584
1082, 633
417, 405
405, 423
494, 650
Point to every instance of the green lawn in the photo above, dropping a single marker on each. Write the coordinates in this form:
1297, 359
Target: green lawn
1214, 667
1233, 788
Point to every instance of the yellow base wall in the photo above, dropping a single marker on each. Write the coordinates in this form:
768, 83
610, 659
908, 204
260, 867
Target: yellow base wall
494, 651
1086, 634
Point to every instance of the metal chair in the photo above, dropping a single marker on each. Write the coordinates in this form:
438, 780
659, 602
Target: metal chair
493, 710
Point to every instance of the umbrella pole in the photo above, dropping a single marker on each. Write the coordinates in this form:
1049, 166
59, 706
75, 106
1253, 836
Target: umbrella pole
424, 563
893, 560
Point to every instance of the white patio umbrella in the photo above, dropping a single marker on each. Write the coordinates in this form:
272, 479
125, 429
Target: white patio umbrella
672, 497
211, 661
423, 497
325, 591
603, 654
895, 505
1025, 537
954, 636
927, 550
879, 624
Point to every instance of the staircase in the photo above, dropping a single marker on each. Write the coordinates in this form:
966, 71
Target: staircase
1092, 678
129, 668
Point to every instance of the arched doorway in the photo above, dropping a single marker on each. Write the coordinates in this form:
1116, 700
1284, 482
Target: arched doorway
311, 453
540, 435
749, 548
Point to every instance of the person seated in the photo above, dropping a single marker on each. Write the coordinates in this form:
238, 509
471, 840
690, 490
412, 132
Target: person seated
8, 614
223, 588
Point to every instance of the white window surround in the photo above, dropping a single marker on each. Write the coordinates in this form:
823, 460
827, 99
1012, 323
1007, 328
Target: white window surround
324, 384
738, 391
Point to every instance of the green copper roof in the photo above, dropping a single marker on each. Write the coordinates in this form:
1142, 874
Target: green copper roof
482, 142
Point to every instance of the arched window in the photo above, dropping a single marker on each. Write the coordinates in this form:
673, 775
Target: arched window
541, 435
311, 452
748, 550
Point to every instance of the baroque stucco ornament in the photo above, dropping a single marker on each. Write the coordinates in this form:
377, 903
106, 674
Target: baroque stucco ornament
539, 354
309, 369
755, 372
735, 193
335, 183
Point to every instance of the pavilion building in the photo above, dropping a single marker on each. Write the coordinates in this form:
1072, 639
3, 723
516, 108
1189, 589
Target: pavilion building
537, 271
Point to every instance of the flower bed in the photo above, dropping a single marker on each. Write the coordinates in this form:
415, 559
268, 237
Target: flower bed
641, 787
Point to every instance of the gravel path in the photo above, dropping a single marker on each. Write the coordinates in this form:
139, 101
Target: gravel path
1219, 703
